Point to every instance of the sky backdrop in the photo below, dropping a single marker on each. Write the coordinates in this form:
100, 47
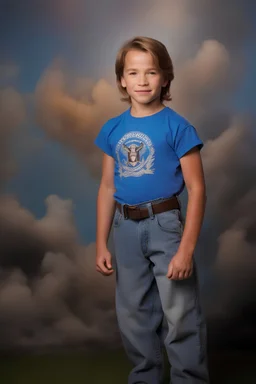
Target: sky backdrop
57, 88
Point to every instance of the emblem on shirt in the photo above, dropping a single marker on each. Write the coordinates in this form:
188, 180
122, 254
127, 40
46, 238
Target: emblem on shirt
135, 155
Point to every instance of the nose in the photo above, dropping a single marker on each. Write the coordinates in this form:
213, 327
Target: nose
142, 80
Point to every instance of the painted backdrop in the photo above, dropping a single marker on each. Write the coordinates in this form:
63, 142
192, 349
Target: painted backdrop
57, 87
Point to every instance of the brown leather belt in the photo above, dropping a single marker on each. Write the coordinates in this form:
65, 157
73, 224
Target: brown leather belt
136, 212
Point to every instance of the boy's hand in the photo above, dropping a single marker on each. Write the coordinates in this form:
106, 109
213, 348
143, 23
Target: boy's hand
103, 263
180, 267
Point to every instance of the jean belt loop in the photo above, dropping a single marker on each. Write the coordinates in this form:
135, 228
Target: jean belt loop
124, 211
150, 211
177, 197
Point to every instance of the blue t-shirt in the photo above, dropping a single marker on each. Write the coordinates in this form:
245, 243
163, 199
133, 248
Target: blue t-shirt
147, 152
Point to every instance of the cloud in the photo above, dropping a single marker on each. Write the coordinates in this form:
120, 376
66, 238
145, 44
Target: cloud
201, 79
12, 116
229, 241
172, 14
66, 115
229, 165
62, 300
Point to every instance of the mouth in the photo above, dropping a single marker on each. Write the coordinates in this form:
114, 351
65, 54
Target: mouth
144, 91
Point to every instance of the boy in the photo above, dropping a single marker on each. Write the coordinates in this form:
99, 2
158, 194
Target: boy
150, 153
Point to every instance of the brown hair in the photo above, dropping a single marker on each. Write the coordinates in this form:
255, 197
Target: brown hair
160, 55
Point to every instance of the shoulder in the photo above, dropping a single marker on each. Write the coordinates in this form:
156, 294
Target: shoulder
176, 121
182, 135
104, 137
110, 125
178, 124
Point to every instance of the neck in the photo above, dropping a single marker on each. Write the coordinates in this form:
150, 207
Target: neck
140, 110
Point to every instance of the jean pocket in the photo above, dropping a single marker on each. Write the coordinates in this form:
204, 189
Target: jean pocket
117, 218
170, 221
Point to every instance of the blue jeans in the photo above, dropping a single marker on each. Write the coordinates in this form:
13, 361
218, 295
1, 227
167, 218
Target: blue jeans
145, 297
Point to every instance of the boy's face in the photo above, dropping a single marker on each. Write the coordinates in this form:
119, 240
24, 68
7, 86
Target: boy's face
141, 78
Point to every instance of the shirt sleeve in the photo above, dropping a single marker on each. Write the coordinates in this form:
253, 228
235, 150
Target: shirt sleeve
186, 139
102, 140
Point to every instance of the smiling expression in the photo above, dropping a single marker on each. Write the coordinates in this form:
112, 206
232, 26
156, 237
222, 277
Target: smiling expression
142, 79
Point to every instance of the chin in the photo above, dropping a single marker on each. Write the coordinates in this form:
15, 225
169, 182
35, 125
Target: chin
144, 99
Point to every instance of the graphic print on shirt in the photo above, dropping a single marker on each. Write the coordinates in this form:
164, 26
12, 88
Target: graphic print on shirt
135, 155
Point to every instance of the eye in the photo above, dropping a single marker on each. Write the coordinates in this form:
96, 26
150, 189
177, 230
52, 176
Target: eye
152, 73
132, 73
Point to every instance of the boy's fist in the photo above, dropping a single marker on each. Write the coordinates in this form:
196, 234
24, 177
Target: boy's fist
103, 263
180, 267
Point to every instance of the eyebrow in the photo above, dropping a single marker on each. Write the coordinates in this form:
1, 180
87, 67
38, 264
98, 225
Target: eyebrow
148, 69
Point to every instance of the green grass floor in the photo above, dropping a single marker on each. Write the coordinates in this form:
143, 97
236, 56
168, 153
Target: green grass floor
110, 368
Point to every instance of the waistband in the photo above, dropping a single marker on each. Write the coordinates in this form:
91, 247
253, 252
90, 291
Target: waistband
148, 209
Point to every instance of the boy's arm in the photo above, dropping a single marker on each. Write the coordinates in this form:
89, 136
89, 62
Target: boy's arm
192, 169
105, 211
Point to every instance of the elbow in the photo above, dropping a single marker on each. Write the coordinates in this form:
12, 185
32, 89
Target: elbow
198, 191
107, 187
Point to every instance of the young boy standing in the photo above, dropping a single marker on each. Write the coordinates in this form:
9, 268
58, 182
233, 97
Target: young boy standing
150, 154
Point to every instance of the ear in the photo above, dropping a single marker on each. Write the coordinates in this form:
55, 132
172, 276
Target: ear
123, 82
165, 82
